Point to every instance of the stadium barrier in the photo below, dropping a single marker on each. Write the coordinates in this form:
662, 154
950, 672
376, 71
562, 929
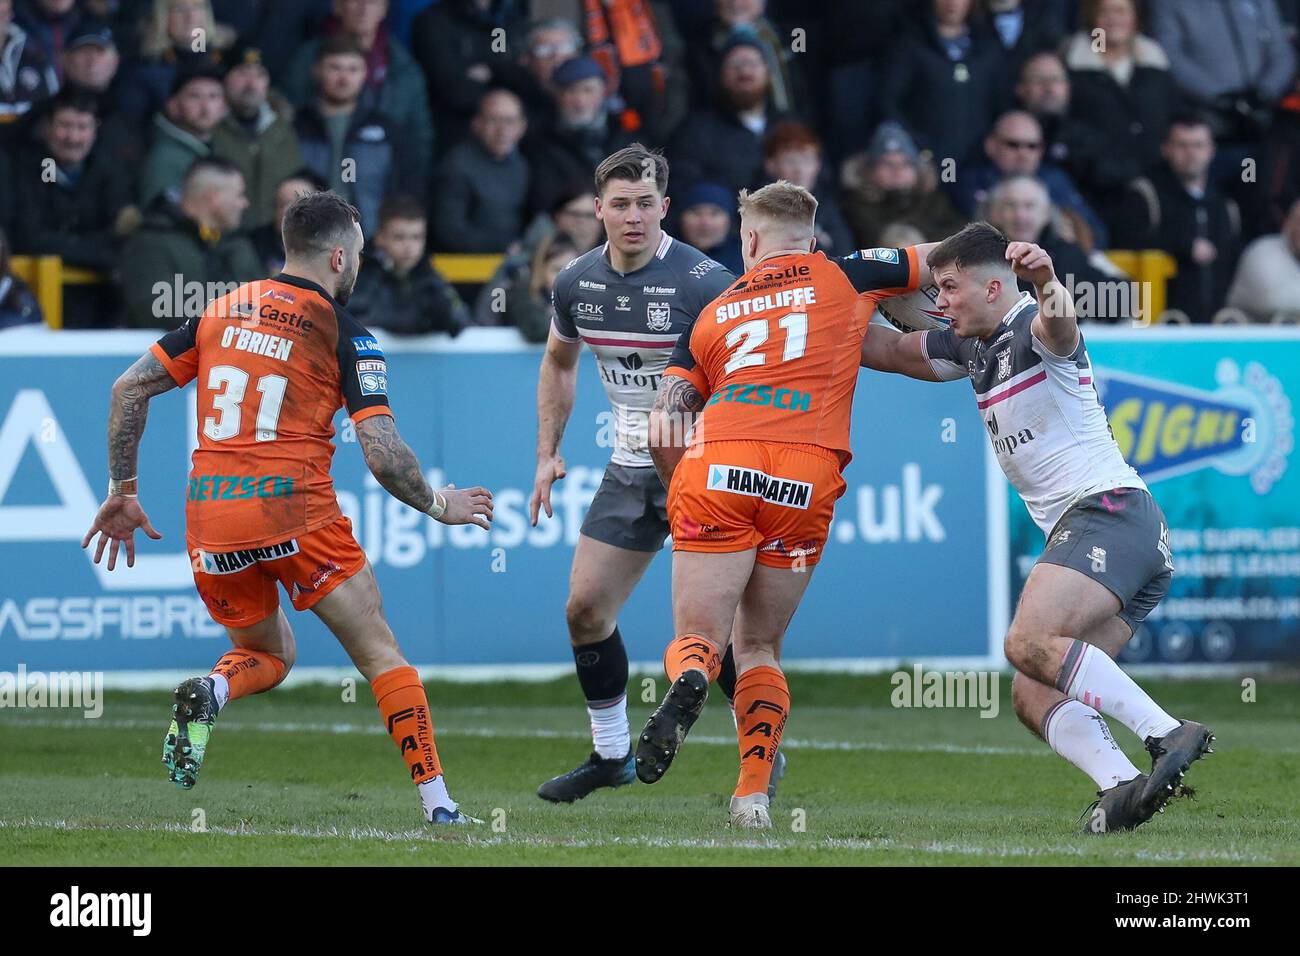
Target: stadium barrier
913, 520
926, 557
47, 275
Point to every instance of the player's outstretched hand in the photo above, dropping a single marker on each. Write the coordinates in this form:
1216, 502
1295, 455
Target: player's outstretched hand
1031, 263
467, 506
549, 471
117, 520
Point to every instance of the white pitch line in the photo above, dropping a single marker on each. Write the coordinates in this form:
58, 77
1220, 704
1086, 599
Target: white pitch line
640, 842
793, 743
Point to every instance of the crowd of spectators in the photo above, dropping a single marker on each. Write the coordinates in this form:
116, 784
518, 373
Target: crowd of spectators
156, 143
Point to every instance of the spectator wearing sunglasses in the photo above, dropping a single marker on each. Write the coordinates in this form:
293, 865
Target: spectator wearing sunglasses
1015, 146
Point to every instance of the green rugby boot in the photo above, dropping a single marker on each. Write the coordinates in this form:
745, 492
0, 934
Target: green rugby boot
193, 715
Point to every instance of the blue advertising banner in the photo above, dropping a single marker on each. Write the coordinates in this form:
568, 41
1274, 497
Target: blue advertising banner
915, 511
1206, 416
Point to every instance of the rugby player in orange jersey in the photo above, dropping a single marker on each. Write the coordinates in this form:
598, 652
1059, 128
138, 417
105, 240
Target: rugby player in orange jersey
274, 361
770, 365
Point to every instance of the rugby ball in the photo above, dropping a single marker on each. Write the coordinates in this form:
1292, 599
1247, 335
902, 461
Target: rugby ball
914, 311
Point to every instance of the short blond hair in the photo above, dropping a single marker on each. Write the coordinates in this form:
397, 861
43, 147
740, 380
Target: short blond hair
782, 202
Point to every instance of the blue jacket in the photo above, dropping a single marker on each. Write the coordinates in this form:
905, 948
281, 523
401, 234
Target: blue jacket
372, 141
975, 183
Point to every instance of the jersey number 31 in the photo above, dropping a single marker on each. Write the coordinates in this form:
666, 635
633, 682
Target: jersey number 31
226, 403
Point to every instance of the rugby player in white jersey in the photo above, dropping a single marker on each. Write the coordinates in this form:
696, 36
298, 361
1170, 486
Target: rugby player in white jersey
1107, 561
628, 300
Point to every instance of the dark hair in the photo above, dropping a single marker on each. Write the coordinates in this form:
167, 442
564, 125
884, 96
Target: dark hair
4, 253
979, 244
573, 189
635, 163
1089, 10
401, 207
208, 164
1189, 118
315, 222
72, 98
336, 44
318, 183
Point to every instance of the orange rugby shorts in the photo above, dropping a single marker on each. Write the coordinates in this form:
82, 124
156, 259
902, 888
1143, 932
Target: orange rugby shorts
239, 587
729, 496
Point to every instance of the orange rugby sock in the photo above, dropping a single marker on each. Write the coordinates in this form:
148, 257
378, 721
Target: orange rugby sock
691, 651
405, 710
762, 705
249, 672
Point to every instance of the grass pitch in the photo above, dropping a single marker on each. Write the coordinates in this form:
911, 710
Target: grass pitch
299, 776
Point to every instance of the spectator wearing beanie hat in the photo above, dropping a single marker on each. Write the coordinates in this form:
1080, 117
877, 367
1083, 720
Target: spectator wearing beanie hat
582, 134
890, 183
258, 135
182, 131
707, 224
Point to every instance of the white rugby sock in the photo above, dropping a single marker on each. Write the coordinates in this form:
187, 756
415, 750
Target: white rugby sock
1090, 676
433, 794
220, 689
610, 736
1080, 735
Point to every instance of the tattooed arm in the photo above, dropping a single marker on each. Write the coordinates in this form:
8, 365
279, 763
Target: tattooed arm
677, 406
395, 467
129, 409
121, 512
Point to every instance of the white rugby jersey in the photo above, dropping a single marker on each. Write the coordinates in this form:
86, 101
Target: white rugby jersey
631, 322
1041, 410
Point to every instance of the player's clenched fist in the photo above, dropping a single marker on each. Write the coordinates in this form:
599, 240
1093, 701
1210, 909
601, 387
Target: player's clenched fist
1031, 263
467, 506
116, 521
549, 471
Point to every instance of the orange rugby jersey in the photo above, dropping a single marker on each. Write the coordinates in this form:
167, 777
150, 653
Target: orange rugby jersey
274, 361
777, 354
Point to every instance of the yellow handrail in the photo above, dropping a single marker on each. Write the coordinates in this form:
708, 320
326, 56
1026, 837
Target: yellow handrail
1152, 269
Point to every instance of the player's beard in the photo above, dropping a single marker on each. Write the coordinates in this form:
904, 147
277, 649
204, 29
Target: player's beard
346, 281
